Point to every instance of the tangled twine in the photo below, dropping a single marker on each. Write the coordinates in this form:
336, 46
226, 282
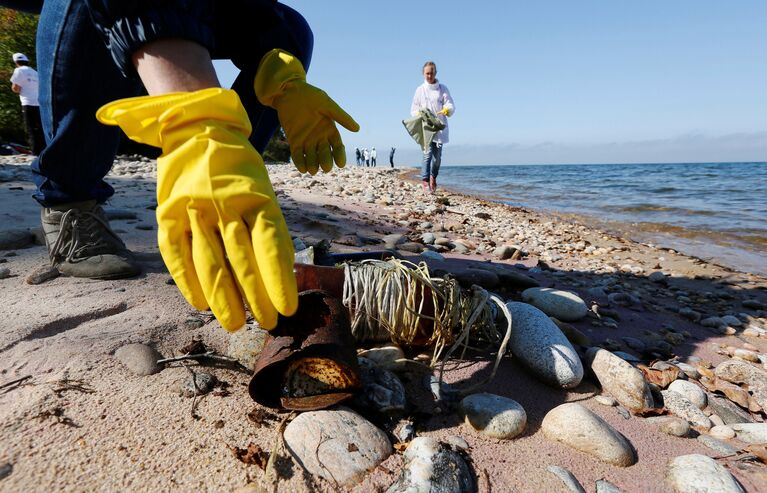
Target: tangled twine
389, 300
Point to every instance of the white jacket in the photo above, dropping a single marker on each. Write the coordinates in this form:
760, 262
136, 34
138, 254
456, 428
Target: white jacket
434, 97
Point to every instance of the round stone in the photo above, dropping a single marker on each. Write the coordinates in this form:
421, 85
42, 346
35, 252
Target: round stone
139, 358
692, 392
698, 473
493, 415
723, 432
338, 444
563, 305
541, 347
581, 429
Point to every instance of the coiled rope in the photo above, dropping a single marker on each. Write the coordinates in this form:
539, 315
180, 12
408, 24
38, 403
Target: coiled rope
389, 300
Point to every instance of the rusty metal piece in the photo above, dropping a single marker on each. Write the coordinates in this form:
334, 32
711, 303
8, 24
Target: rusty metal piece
309, 360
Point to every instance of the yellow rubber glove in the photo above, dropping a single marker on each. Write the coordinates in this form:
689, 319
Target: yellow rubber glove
307, 113
445, 111
221, 231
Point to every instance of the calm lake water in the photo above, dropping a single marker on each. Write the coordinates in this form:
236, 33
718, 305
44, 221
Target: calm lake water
716, 211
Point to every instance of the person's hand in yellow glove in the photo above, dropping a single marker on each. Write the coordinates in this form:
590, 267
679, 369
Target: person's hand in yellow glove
306, 113
445, 111
221, 232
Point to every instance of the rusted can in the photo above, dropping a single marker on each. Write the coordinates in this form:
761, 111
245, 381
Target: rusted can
309, 360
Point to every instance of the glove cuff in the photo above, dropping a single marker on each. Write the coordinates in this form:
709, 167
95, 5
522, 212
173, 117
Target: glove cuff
152, 119
276, 69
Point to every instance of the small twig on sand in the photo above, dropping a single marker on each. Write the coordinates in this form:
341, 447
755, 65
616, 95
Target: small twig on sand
196, 391
14, 382
208, 355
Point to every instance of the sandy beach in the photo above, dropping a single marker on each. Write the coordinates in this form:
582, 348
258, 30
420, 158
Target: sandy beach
81, 421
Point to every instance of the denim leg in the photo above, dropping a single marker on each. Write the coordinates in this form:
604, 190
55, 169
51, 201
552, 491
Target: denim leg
437, 158
426, 163
77, 76
245, 37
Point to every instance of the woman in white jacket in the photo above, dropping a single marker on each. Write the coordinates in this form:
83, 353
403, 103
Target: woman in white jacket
434, 96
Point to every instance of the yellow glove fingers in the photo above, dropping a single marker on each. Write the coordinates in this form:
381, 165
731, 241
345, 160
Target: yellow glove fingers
324, 157
338, 114
275, 256
176, 250
312, 165
217, 283
242, 258
297, 155
339, 151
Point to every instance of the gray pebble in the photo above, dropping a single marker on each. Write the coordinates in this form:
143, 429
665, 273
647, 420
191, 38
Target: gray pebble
204, 384
139, 358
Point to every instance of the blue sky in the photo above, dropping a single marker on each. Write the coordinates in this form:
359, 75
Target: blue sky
563, 81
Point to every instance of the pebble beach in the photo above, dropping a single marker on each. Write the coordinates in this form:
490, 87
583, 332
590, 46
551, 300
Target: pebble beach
631, 367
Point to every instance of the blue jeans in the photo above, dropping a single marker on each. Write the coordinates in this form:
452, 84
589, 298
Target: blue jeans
432, 158
78, 75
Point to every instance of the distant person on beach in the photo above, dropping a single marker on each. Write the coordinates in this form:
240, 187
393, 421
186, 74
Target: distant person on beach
434, 96
366, 154
391, 157
373, 156
24, 82
358, 154
221, 232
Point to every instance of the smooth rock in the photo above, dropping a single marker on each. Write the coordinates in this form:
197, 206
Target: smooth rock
568, 478
337, 444
604, 486
606, 400
198, 384
15, 238
692, 392
678, 405
384, 356
657, 276
5, 272
619, 379
697, 473
504, 252
42, 274
737, 371
563, 305
677, 427
139, 358
428, 238
431, 467
246, 345
751, 432
732, 321
493, 415
468, 276
579, 428
428, 254
382, 391
542, 348
718, 445
410, 246
5, 470
730, 412
722, 432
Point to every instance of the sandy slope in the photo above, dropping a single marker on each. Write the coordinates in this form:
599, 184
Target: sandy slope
82, 422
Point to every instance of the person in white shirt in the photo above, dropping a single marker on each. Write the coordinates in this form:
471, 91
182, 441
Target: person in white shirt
436, 97
373, 156
366, 154
24, 82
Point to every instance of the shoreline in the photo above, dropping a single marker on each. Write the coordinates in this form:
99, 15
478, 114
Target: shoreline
744, 260
83, 422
